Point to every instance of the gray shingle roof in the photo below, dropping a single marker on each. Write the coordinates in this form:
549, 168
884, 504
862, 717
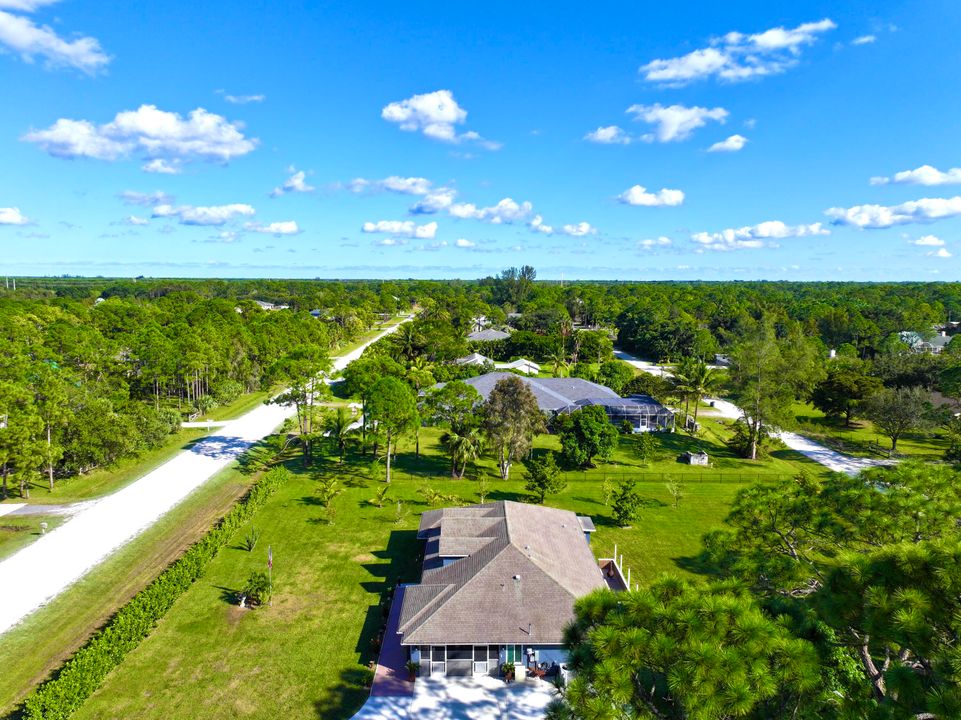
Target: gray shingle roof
488, 335
552, 394
524, 566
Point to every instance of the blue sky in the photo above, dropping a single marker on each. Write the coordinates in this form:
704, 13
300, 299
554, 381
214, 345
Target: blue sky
633, 141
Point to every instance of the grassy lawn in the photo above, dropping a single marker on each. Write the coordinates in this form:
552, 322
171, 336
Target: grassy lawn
864, 440
17, 532
47, 637
304, 656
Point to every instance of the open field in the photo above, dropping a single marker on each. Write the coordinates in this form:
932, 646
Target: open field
304, 656
863, 439
46, 638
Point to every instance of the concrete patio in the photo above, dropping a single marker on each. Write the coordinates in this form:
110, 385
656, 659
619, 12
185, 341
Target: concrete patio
476, 698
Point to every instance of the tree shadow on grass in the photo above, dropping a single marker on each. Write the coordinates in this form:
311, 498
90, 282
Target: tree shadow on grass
516, 496
342, 700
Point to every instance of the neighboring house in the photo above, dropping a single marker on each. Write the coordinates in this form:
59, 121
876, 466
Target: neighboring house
564, 395
919, 344
479, 323
696, 458
499, 581
270, 306
523, 365
488, 335
474, 359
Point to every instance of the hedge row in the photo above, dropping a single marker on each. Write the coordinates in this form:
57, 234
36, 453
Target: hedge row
80, 676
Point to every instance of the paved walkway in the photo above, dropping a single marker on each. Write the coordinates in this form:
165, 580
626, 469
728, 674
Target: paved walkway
42, 570
390, 677
832, 459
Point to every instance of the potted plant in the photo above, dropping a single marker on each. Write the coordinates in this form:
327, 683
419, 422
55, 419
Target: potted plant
411, 670
507, 670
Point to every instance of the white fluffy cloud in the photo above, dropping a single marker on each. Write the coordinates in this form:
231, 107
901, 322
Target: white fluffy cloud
464, 243
132, 197
296, 183
434, 201
579, 229
150, 132
884, 216
638, 195
864, 40
136, 220
404, 228
537, 224
203, 215
651, 243
30, 41
928, 241
610, 135
284, 227
160, 166
436, 115
924, 175
673, 123
506, 211
12, 216
731, 144
755, 236
738, 56
940, 252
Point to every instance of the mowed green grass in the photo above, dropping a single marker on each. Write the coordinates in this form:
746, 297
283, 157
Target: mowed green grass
38, 645
303, 657
862, 438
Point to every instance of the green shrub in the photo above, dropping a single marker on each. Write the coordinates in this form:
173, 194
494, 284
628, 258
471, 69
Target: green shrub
79, 677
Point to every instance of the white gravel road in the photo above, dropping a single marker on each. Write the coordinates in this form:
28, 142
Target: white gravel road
832, 459
39, 572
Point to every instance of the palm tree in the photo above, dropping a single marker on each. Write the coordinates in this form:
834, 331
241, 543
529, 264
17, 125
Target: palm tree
695, 379
464, 448
408, 340
558, 359
339, 427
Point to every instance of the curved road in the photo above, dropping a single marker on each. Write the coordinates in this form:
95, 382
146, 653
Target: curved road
832, 459
39, 572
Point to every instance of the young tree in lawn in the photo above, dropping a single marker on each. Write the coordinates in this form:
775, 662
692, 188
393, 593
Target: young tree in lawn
681, 650
585, 434
841, 392
899, 410
645, 446
625, 503
393, 406
302, 369
543, 476
511, 420
457, 406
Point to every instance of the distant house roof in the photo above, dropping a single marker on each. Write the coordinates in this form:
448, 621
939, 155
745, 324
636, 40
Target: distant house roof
553, 394
522, 364
520, 570
474, 359
637, 401
488, 335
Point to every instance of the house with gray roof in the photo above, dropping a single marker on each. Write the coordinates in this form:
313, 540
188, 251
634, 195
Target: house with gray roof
498, 585
565, 395
488, 335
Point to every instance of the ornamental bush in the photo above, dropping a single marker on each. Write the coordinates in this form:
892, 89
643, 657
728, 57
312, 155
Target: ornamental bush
81, 675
